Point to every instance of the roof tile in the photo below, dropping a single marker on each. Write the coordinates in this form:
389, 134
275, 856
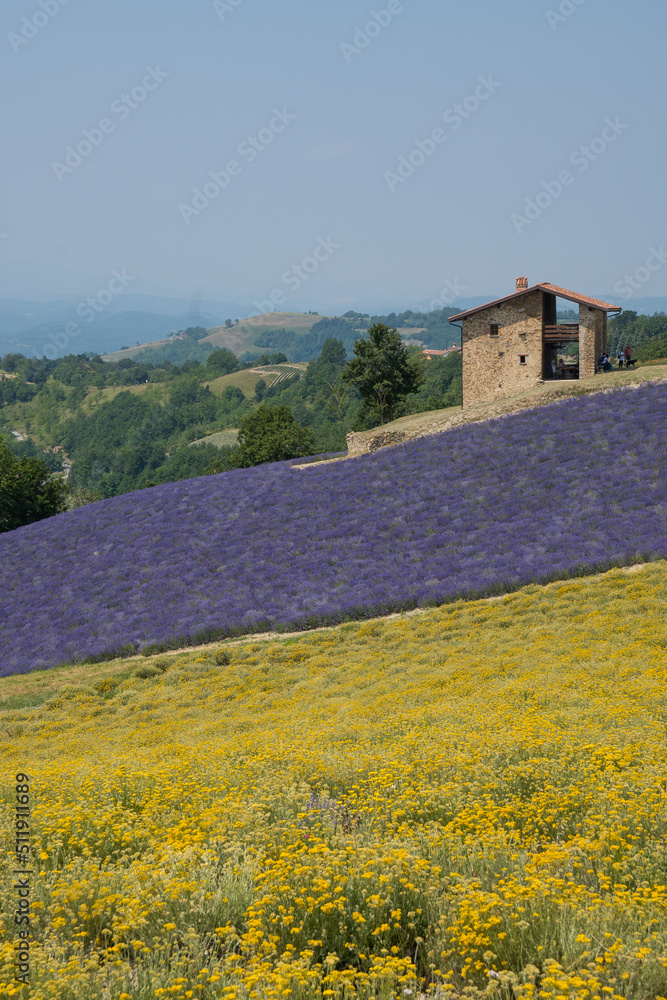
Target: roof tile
545, 286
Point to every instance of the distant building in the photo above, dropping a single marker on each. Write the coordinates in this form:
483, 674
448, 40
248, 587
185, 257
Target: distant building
440, 354
509, 345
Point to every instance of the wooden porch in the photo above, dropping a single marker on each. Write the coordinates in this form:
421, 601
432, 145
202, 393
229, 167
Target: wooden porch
560, 333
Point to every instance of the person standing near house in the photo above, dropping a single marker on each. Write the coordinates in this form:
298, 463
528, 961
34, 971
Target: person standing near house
561, 368
553, 367
621, 359
628, 354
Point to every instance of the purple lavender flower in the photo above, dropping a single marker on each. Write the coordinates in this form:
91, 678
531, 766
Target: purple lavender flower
485, 508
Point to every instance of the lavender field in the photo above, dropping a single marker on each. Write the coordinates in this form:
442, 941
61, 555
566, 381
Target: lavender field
575, 487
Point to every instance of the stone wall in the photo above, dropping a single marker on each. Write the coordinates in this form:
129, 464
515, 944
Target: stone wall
492, 368
427, 424
592, 338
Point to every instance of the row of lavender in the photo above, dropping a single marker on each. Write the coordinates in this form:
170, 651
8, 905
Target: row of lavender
575, 487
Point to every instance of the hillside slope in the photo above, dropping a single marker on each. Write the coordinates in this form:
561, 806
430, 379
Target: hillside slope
238, 338
471, 796
540, 495
436, 422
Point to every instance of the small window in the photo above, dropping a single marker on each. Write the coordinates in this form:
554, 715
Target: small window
522, 359
494, 329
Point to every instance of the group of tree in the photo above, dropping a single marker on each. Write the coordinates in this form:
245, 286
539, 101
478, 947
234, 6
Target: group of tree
354, 381
647, 335
29, 376
382, 379
28, 490
382, 371
138, 439
432, 328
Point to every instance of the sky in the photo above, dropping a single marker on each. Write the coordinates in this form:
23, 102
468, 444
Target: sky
333, 154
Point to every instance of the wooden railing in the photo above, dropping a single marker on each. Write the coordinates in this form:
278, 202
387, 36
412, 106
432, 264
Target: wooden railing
561, 331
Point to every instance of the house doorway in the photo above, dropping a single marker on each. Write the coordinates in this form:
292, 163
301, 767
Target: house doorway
561, 361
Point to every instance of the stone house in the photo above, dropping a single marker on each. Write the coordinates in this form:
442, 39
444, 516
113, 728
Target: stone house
508, 345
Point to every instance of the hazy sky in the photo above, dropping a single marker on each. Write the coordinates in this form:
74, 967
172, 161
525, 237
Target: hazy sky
304, 119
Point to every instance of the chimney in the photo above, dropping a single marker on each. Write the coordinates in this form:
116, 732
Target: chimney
521, 284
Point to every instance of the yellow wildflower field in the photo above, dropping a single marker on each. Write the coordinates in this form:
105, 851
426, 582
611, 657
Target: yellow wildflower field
467, 801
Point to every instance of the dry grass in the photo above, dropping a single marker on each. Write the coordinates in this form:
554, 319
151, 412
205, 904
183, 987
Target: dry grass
221, 439
436, 421
247, 379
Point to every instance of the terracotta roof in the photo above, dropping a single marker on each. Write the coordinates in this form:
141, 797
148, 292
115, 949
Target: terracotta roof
544, 286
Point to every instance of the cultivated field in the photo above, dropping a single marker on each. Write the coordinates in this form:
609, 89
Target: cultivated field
538, 496
247, 379
471, 798
437, 421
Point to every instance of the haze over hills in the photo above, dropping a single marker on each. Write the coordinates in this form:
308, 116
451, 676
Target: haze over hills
35, 327
46, 326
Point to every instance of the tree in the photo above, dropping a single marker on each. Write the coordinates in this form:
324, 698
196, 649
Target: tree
221, 362
270, 434
260, 390
381, 370
28, 491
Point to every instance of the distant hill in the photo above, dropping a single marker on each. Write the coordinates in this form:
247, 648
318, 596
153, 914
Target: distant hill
300, 336
39, 327
241, 338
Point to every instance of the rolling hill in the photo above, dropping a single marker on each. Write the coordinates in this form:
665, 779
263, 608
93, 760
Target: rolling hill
481, 509
468, 802
239, 338
247, 379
